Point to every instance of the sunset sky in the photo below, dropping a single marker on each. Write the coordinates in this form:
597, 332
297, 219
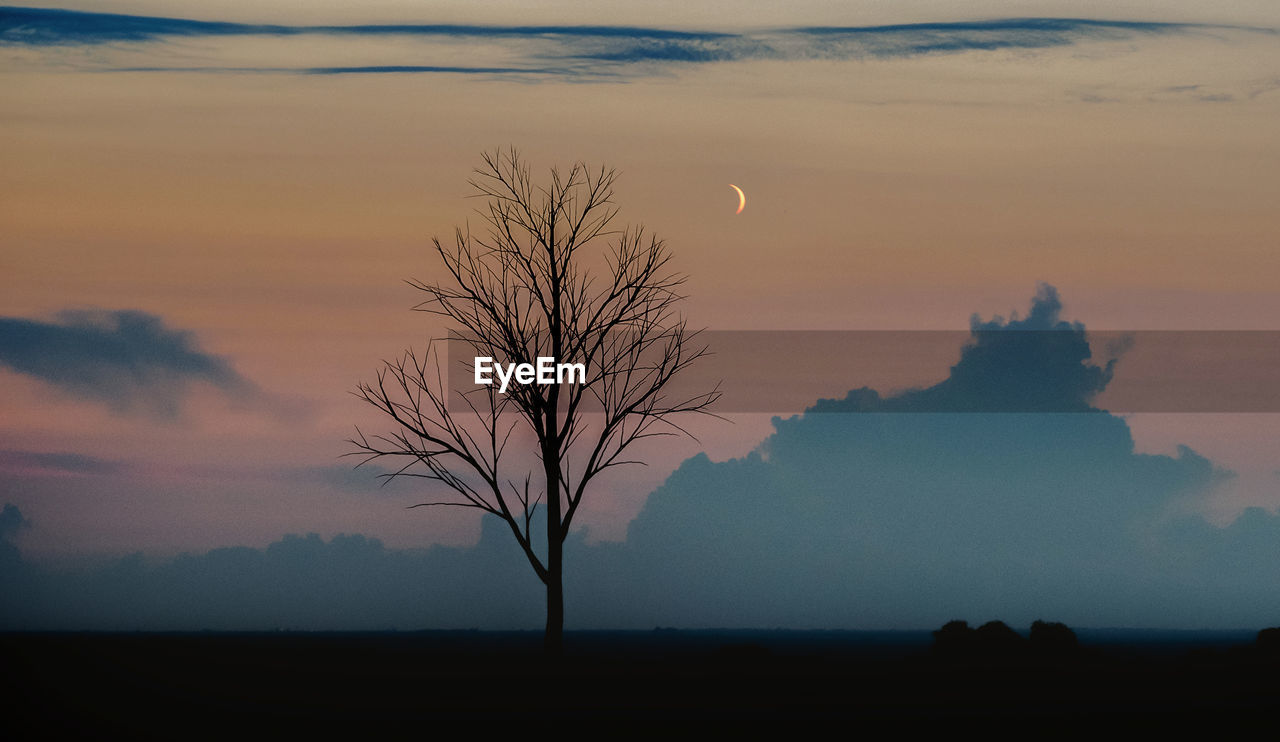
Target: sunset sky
235, 208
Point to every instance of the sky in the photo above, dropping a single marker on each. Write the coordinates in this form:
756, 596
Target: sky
205, 231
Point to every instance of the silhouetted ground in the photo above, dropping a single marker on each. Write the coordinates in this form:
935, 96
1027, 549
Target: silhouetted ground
184, 685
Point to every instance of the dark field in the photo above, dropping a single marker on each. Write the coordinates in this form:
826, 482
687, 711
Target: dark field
183, 685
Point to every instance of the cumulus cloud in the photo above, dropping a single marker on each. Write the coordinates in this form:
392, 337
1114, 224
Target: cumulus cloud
128, 359
887, 519
869, 520
1038, 364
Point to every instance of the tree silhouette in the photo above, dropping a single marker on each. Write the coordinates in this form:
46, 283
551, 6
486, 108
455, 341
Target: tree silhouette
528, 288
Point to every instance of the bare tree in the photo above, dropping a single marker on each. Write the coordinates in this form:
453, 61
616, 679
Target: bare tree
526, 289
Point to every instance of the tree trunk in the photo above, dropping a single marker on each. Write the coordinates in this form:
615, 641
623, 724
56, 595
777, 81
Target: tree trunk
552, 640
555, 554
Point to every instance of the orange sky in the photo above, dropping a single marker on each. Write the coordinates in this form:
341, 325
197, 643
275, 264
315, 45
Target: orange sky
276, 215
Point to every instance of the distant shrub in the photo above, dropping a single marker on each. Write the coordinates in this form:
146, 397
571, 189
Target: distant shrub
996, 638
1269, 641
1051, 637
954, 638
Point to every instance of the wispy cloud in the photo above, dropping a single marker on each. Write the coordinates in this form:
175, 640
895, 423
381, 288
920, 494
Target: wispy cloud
129, 360
588, 50
375, 69
368, 478
64, 462
41, 26
1009, 33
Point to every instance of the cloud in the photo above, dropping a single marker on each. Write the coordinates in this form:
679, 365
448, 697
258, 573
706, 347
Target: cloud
387, 69
869, 520
129, 360
881, 519
12, 569
71, 463
35, 26
299, 582
41, 27
593, 50
988, 35
368, 478
11, 521
1038, 364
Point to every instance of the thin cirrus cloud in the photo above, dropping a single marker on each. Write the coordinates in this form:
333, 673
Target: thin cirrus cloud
590, 51
353, 477
129, 360
56, 462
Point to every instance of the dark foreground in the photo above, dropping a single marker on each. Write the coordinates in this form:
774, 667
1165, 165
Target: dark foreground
184, 685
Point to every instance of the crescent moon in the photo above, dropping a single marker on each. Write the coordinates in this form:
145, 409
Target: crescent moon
742, 198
